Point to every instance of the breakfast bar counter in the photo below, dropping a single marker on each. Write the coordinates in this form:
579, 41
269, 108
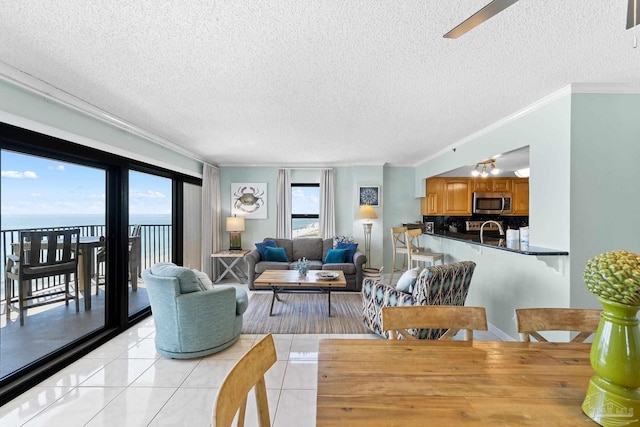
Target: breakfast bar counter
497, 243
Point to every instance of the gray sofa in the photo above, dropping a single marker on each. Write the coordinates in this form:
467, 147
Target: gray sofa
315, 250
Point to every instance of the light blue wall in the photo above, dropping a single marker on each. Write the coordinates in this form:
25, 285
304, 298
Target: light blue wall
504, 281
584, 151
547, 133
346, 180
401, 206
27, 110
605, 175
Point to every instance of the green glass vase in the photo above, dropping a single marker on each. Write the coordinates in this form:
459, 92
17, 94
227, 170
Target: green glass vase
613, 397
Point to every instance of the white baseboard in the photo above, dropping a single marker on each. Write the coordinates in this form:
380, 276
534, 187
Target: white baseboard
500, 333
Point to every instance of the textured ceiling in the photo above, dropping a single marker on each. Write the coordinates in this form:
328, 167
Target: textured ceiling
334, 82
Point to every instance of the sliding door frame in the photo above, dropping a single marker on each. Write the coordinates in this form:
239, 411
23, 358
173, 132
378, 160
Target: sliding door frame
117, 318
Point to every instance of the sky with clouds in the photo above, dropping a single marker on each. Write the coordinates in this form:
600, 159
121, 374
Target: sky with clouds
305, 200
33, 185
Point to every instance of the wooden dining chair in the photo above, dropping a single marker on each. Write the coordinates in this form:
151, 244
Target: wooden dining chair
533, 320
399, 319
246, 374
418, 254
399, 246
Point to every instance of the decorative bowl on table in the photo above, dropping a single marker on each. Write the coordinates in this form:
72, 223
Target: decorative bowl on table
327, 275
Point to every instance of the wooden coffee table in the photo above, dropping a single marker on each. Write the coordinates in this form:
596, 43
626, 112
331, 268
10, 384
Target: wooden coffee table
288, 281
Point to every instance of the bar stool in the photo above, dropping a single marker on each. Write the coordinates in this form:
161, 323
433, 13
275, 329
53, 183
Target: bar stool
398, 239
418, 254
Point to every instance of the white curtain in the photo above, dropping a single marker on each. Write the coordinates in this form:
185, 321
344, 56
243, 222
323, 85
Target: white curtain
210, 217
283, 204
327, 205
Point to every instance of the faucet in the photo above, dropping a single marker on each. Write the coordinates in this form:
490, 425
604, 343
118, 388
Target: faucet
500, 229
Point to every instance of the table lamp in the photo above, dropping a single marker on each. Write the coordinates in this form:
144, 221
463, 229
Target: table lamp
367, 213
235, 225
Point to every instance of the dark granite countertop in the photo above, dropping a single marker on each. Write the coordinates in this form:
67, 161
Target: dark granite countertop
497, 243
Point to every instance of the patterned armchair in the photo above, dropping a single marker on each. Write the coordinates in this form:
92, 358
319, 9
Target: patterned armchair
436, 285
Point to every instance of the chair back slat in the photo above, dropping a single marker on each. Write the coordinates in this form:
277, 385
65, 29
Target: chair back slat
531, 321
452, 318
246, 374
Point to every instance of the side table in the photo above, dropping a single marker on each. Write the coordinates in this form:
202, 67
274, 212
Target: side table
230, 260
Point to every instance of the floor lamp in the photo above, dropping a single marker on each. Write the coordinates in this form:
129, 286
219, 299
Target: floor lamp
235, 225
367, 213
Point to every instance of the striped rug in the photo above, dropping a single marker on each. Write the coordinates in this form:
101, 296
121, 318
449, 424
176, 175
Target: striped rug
305, 314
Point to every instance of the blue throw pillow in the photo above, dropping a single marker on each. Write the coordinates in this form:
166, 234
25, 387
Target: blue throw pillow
335, 256
408, 280
275, 254
351, 250
267, 243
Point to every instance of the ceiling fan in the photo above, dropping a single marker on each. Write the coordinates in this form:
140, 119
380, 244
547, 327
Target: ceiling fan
497, 6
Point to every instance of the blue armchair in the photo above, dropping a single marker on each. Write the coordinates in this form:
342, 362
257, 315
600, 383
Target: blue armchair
193, 318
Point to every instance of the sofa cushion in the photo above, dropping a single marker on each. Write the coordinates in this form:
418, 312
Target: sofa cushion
308, 247
275, 254
346, 268
407, 281
242, 301
287, 244
263, 266
335, 256
267, 243
351, 250
187, 279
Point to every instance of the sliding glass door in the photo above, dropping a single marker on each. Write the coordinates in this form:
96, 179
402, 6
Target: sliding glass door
37, 194
150, 231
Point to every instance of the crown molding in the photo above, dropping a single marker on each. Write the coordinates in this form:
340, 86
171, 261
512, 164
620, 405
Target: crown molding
39, 87
606, 88
577, 88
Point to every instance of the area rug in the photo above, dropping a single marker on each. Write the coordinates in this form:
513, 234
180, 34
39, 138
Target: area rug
305, 314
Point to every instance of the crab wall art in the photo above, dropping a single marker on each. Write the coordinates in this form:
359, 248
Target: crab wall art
249, 200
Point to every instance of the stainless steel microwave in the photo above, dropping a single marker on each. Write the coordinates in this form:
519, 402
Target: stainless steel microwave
492, 203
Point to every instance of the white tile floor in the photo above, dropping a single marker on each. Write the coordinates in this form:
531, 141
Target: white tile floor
126, 383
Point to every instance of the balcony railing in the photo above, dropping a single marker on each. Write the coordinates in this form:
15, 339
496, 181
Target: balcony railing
155, 247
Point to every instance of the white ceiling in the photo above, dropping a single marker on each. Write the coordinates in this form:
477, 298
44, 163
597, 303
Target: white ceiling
333, 82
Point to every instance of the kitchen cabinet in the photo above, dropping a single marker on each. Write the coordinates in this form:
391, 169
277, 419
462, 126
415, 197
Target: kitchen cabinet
491, 184
432, 203
457, 196
520, 202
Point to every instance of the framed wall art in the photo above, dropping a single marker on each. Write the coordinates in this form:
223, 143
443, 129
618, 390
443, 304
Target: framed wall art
369, 195
249, 199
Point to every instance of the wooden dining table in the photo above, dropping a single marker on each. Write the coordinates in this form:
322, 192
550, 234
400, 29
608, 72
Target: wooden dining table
376, 382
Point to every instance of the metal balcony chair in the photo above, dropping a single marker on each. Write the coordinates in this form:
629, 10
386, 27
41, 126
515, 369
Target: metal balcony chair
134, 259
42, 254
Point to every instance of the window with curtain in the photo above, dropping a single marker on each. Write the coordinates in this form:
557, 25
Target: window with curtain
305, 210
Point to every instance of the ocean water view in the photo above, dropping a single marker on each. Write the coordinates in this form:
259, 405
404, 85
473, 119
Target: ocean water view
19, 222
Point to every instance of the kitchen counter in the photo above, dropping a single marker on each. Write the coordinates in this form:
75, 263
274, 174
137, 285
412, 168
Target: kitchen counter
498, 243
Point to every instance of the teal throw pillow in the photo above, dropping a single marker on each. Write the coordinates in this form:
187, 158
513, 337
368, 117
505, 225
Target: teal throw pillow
408, 280
351, 250
275, 254
267, 243
335, 256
